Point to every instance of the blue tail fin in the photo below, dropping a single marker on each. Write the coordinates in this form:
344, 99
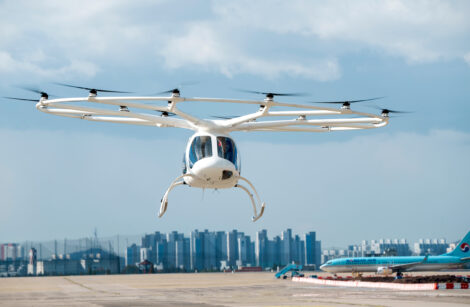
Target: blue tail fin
462, 249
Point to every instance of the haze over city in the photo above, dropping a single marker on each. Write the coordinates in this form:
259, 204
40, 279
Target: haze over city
62, 177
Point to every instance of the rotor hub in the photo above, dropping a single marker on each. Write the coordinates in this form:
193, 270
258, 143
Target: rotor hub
175, 93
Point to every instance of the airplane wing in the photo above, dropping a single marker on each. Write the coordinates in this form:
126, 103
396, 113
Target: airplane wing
407, 266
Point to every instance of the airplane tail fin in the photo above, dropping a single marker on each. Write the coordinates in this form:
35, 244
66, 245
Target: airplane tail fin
462, 249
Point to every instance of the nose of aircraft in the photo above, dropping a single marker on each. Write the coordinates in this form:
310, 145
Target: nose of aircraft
324, 267
214, 169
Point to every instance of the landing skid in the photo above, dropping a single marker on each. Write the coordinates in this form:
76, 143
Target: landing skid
180, 181
175, 183
256, 216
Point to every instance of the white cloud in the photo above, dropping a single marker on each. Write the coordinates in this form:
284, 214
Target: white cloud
419, 31
205, 46
263, 38
37, 66
466, 57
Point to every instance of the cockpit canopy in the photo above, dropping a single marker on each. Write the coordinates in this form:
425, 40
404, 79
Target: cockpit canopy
204, 146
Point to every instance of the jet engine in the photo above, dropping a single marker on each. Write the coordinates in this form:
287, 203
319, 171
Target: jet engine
384, 271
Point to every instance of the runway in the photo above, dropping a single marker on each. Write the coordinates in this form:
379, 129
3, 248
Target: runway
205, 289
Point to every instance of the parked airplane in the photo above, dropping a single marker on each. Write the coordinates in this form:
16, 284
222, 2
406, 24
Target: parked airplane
456, 259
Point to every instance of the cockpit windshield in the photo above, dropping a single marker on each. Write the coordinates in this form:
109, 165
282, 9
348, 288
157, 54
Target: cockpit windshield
200, 148
226, 149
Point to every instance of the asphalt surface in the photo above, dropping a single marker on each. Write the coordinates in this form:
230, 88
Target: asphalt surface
206, 289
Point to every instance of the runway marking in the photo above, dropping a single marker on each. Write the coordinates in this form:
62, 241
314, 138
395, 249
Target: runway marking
332, 302
88, 288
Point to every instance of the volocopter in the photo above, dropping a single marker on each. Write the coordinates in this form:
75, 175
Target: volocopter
211, 159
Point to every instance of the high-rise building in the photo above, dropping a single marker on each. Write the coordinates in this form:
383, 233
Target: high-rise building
210, 250
310, 248
317, 254
11, 252
244, 249
221, 247
298, 250
261, 248
286, 247
431, 247
132, 255
232, 248
196, 250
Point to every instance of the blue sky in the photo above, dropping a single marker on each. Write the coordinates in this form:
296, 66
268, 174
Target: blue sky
61, 177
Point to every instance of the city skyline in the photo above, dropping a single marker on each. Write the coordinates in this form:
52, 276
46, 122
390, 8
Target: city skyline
200, 250
127, 240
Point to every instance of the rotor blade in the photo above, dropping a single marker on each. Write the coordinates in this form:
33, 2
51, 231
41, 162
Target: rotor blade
224, 117
35, 90
385, 110
348, 101
398, 112
178, 88
167, 92
32, 89
270, 93
22, 99
166, 113
90, 89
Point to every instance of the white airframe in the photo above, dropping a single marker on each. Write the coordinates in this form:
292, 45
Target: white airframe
211, 159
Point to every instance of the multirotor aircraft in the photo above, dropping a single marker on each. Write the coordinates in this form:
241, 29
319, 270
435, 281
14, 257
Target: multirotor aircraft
211, 159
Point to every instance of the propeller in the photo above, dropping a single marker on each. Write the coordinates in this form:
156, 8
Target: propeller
166, 113
35, 90
30, 89
177, 89
224, 117
22, 99
270, 94
386, 112
347, 103
92, 90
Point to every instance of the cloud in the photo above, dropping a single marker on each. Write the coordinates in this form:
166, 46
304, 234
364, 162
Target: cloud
36, 65
205, 46
419, 31
298, 38
467, 58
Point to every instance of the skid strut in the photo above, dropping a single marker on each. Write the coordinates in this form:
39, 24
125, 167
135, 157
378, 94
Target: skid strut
180, 180
256, 216
164, 201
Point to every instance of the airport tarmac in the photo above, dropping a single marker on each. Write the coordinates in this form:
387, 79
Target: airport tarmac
205, 289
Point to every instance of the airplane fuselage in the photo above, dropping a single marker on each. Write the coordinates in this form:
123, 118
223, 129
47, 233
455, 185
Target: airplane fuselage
373, 264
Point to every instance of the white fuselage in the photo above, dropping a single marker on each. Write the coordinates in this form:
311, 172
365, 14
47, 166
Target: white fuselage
212, 160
